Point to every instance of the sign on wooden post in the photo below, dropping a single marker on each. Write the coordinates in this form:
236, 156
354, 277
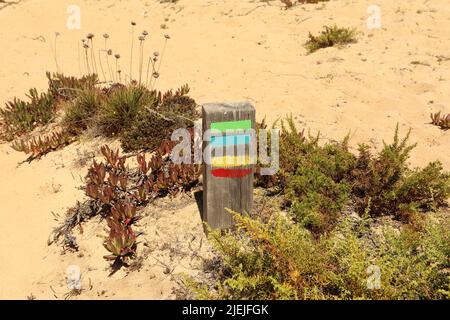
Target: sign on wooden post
229, 148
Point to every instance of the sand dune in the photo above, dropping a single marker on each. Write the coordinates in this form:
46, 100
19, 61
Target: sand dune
225, 50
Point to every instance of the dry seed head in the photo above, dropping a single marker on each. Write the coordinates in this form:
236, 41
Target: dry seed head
156, 54
57, 33
133, 23
89, 36
85, 46
166, 36
144, 33
155, 75
106, 36
109, 52
117, 56
141, 38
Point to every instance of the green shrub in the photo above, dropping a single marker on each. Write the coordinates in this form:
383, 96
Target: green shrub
282, 260
384, 185
329, 37
156, 123
81, 112
122, 107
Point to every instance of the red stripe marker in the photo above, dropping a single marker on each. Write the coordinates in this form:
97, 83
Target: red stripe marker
230, 173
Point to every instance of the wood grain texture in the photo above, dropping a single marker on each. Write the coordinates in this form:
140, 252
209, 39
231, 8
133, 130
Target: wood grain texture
222, 191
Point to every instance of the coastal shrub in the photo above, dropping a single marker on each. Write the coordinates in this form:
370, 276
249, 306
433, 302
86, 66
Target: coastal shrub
83, 109
330, 36
385, 185
156, 122
122, 107
318, 181
282, 260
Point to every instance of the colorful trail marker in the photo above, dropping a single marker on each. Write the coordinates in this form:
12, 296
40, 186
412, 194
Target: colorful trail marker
228, 178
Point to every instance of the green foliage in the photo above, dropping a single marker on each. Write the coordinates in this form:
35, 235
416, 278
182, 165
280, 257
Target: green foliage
81, 112
122, 107
282, 260
317, 181
157, 122
19, 117
329, 37
384, 185
319, 252
62, 87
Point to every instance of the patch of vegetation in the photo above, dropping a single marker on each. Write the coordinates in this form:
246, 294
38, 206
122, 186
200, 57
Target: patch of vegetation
20, 117
39, 146
384, 185
290, 3
121, 109
66, 88
118, 193
136, 113
156, 122
81, 112
318, 181
282, 260
348, 216
441, 121
330, 36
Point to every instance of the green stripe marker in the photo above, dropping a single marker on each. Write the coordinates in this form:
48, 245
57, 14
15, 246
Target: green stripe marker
232, 125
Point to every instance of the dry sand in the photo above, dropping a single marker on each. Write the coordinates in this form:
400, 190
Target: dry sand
225, 50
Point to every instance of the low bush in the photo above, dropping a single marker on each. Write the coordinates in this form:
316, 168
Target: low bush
282, 260
384, 185
122, 107
318, 181
171, 111
329, 37
82, 111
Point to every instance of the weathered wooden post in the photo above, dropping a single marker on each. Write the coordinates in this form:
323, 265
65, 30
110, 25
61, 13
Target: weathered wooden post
229, 138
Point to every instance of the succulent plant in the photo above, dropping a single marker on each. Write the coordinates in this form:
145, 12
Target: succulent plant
440, 121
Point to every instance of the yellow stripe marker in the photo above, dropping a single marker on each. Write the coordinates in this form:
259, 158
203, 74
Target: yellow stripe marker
231, 161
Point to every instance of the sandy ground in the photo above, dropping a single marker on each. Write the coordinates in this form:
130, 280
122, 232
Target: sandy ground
225, 50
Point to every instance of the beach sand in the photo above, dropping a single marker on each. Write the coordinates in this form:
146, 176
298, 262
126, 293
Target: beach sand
230, 50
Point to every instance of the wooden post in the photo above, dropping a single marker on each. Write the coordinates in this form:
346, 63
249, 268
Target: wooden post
228, 175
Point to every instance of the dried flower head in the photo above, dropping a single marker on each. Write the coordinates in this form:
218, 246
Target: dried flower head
133, 23
57, 33
105, 35
117, 56
141, 38
90, 36
144, 33
85, 46
156, 54
109, 52
155, 75
166, 36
